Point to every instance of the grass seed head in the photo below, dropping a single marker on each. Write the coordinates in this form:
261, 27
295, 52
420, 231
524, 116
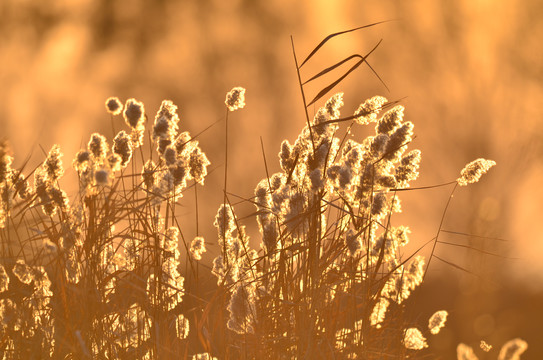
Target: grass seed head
379, 312
437, 321
98, 147
473, 171
203, 356
198, 164
134, 113
512, 349
114, 105
52, 165
367, 112
242, 309
23, 272
235, 99
122, 146
5, 161
414, 340
4, 279
390, 120
81, 161
465, 352
197, 248
102, 176
485, 346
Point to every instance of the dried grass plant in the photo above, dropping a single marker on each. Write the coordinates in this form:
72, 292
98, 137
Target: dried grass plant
98, 276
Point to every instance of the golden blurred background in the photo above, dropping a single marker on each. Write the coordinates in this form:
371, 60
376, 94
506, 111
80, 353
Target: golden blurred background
470, 74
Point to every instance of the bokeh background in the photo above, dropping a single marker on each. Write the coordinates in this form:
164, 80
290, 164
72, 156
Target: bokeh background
470, 74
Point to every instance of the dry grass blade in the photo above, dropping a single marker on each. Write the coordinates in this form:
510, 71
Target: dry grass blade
331, 36
336, 82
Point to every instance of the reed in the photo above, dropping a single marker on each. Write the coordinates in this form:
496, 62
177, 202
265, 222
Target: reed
98, 275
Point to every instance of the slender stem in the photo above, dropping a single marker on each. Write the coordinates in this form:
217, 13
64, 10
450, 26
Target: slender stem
439, 229
225, 183
303, 94
112, 125
196, 201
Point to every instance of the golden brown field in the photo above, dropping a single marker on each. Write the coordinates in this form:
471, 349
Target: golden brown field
311, 257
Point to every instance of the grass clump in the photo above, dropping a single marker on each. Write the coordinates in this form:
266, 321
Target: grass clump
99, 275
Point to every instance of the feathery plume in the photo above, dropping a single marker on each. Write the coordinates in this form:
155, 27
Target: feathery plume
198, 164
81, 161
368, 111
235, 99
437, 321
52, 165
485, 346
414, 340
134, 113
197, 248
390, 120
98, 147
512, 349
23, 272
5, 161
465, 352
204, 356
242, 309
473, 171
122, 146
114, 105
4, 279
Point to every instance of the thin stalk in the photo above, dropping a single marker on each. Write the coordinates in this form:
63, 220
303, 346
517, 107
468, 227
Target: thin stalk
439, 229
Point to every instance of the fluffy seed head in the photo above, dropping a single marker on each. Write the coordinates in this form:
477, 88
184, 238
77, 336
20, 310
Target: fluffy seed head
102, 177
179, 173
81, 161
379, 312
465, 352
473, 171
5, 161
235, 99
204, 356
437, 321
114, 106
4, 279
414, 340
182, 326
197, 248
485, 347
166, 119
224, 221
52, 165
122, 145
170, 155
333, 105
98, 146
134, 113
415, 272
512, 349
242, 309
390, 120
23, 272
198, 163
397, 142
367, 112
407, 171
114, 161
